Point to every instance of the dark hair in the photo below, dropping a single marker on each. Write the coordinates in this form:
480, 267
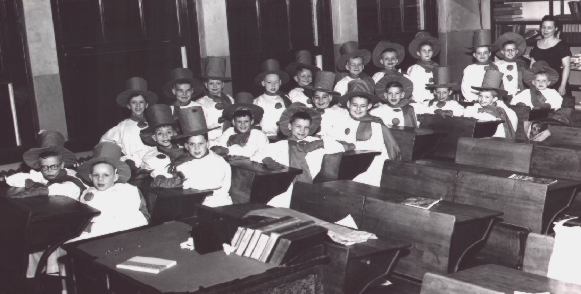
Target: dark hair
242, 113
424, 43
50, 153
389, 50
394, 84
182, 82
509, 42
553, 19
300, 115
102, 161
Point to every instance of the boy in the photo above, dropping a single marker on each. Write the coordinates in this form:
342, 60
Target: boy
242, 139
539, 78
302, 71
473, 74
396, 110
215, 100
353, 60
366, 132
159, 133
442, 89
48, 175
489, 107
136, 97
272, 101
423, 47
510, 46
387, 55
325, 102
182, 87
118, 201
301, 150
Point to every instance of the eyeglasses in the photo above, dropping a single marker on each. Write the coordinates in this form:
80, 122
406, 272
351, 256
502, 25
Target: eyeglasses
511, 50
49, 167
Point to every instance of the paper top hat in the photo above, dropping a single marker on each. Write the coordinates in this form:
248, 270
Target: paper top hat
442, 79
294, 108
492, 81
540, 66
380, 87
420, 39
303, 59
349, 50
271, 66
243, 101
481, 38
157, 115
384, 45
185, 76
110, 153
133, 87
192, 122
521, 43
215, 68
325, 82
359, 88
49, 141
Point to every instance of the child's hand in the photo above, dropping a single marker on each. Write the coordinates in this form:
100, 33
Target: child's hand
269, 163
347, 146
163, 182
222, 151
562, 90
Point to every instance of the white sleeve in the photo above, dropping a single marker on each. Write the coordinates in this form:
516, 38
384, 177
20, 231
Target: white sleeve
19, 179
332, 146
375, 143
555, 99
112, 135
68, 189
466, 86
522, 97
256, 142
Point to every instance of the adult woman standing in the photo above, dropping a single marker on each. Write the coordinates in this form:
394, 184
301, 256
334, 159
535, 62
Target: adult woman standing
556, 53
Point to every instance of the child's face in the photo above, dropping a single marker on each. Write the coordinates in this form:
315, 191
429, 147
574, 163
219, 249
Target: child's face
509, 51
355, 66
389, 60
482, 54
322, 100
486, 98
51, 166
242, 124
137, 105
197, 146
541, 81
271, 83
162, 135
442, 94
426, 52
304, 77
103, 176
394, 95
358, 107
536, 128
299, 128
183, 93
215, 87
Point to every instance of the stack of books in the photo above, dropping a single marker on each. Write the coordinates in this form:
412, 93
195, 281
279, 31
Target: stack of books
507, 10
538, 180
270, 241
576, 61
575, 8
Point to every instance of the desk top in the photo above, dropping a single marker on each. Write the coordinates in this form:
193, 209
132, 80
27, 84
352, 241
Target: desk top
45, 208
507, 280
260, 169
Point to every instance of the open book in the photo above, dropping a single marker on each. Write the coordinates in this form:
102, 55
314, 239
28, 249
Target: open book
147, 264
421, 202
537, 180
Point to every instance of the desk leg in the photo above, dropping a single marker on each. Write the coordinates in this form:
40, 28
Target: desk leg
384, 275
467, 240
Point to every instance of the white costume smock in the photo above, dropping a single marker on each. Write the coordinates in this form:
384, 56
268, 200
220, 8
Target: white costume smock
330, 119
256, 141
389, 115
452, 105
341, 85
420, 78
126, 135
298, 95
157, 162
212, 115
473, 75
553, 98
510, 79
472, 111
273, 108
68, 189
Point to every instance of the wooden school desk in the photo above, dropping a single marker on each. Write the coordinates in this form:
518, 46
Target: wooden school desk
416, 143
171, 204
344, 165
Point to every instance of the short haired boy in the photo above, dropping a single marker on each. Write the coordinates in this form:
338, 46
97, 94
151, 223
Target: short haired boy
387, 56
489, 107
395, 109
48, 174
272, 101
242, 139
325, 101
302, 70
473, 74
539, 78
215, 99
423, 48
509, 47
300, 150
136, 97
183, 89
353, 60
442, 89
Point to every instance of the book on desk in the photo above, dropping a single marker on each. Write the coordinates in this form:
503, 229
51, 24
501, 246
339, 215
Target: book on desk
421, 202
538, 180
146, 264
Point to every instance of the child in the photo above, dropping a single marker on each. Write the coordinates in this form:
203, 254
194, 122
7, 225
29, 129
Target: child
242, 139
162, 127
302, 71
366, 132
473, 74
537, 131
423, 47
118, 201
182, 87
442, 89
353, 60
395, 91
48, 175
510, 46
301, 150
215, 100
325, 102
489, 107
539, 78
272, 101
387, 55
136, 98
